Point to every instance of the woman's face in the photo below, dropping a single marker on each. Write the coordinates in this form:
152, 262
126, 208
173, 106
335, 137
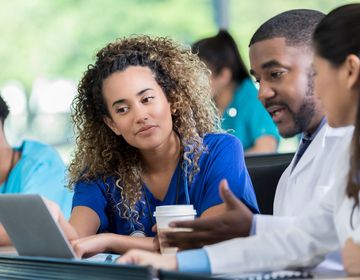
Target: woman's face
220, 80
217, 84
331, 88
138, 108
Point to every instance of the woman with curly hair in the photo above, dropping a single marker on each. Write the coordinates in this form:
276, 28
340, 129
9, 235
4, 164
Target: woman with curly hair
148, 135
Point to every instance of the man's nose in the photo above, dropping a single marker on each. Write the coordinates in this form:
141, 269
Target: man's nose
265, 91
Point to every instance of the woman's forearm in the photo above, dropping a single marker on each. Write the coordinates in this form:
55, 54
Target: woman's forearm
110, 242
122, 243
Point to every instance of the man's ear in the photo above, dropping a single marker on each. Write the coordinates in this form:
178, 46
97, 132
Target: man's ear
352, 64
109, 122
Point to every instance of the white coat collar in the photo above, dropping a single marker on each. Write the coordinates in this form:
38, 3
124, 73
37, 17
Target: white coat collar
324, 137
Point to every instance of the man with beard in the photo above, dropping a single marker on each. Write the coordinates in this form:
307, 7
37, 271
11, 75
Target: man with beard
281, 56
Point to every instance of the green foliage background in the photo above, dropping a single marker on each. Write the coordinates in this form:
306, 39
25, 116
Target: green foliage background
58, 38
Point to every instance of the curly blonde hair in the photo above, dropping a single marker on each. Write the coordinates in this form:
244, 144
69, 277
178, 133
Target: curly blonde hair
185, 82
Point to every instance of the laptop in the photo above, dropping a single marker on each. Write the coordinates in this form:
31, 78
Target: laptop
31, 227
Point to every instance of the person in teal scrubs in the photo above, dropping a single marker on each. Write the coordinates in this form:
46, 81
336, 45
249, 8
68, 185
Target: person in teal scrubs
32, 168
236, 95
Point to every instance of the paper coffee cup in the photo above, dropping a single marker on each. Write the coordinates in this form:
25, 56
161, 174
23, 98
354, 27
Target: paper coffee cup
169, 213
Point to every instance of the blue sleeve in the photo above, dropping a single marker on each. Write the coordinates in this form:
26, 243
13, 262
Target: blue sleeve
92, 195
194, 261
259, 123
227, 162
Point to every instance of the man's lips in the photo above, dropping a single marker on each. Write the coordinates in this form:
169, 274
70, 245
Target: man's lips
145, 128
276, 112
274, 109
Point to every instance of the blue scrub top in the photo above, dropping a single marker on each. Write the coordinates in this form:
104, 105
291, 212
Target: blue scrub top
224, 158
40, 170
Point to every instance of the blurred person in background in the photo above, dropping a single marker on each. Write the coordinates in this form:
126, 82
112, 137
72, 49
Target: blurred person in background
31, 168
236, 95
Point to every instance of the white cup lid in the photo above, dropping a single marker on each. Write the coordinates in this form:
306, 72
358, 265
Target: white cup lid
174, 210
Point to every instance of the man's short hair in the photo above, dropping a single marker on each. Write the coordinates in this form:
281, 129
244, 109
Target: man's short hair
296, 26
4, 110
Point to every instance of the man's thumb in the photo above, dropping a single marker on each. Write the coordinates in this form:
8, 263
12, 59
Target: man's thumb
227, 195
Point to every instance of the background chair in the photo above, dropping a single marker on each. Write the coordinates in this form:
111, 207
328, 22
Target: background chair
265, 171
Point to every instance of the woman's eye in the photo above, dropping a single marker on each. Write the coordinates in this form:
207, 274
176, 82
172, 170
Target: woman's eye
122, 110
147, 99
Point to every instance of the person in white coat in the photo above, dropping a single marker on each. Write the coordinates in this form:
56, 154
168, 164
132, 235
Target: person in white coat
325, 226
281, 55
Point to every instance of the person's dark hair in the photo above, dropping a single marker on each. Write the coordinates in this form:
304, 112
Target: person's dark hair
296, 26
336, 37
221, 51
4, 110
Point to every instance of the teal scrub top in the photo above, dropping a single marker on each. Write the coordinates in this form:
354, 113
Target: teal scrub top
246, 118
40, 170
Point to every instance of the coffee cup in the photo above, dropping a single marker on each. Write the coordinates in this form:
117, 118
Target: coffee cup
169, 213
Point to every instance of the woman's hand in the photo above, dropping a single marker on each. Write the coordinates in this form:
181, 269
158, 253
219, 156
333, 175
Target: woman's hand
91, 245
55, 211
351, 257
156, 242
4, 238
158, 261
53, 208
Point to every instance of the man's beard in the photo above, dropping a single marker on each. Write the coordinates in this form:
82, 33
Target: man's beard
303, 118
306, 112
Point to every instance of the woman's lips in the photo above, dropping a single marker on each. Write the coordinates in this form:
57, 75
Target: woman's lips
145, 129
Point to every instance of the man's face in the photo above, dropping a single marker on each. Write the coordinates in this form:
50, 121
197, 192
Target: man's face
285, 78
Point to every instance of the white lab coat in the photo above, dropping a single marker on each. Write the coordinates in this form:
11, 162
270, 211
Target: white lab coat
310, 180
320, 228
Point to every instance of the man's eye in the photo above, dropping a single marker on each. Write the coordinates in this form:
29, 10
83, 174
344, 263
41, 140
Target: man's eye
276, 75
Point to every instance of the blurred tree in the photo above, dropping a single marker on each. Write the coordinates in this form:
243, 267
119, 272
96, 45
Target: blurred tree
59, 38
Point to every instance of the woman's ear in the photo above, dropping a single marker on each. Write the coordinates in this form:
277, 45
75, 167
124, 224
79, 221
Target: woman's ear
352, 64
225, 75
109, 122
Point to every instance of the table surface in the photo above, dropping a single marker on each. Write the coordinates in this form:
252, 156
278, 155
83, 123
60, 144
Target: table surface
9, 250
